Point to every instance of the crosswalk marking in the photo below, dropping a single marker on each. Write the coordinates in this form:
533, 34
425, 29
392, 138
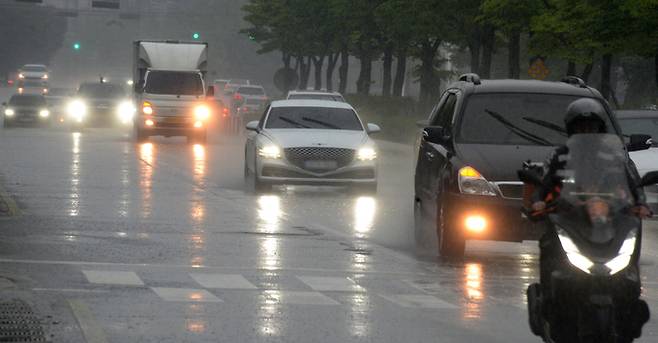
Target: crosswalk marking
418, 301
331, 284
222, 281
113, 277
299, 298
185, 295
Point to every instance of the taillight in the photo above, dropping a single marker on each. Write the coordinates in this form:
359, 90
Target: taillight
237, 97
147, 108
225, 112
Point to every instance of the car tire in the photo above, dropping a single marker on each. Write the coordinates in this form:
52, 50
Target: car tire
252, 181
422, 237
450, 243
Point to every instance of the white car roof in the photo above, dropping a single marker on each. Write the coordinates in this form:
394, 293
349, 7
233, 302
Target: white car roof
311, 103
315, 92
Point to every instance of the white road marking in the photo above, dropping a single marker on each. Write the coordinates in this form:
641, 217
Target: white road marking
298, 298
331, 284
418, 301
91, 329
72, 290
222, 281
113, 277
186, 295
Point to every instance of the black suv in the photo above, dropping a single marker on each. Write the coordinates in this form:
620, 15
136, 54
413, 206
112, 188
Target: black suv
476, 138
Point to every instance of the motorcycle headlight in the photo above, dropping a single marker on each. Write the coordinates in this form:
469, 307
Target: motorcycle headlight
270, 151
624, 255
44, 113
77, 110
574, 256
126, 111
472, 182
9, 112
202, 112
366, 154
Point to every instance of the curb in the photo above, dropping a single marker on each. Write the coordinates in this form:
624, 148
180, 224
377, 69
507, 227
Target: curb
8, 207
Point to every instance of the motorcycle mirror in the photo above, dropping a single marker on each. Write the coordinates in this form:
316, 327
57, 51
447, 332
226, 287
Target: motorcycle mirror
530, 177
650, 178
639, 142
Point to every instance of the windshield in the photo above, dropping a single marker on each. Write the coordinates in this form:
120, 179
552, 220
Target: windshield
313, 118
173, 83
34, 68
27, 100
595, 183
101, 91
643, 126
251, 91
515, 119
328, 97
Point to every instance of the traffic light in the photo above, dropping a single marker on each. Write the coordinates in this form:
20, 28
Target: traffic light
76, 46
196, 36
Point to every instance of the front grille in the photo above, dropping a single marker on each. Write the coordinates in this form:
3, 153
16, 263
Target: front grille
353, 174
511, 190
300, 156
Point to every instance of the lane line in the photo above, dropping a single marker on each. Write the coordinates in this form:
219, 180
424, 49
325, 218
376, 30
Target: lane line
73, 290
113, 277
91, 329
222, 281
298, 298
186, 295
331, 284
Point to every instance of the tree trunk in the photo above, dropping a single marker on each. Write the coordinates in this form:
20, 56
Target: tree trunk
655, 62
343, 70
331, 66
305, 71
571, 68
488, 39
318, 62
587, 72
514, 60
606, 68
388, 68
365, 73
428, 81
400, 72
474, 48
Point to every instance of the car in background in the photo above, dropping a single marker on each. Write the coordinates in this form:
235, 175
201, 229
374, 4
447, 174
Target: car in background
219, 85
637, 122
33, 72
101, 103
57, 99
310, 142
315, 95
247, 100
470, 148
26, 109
32, 86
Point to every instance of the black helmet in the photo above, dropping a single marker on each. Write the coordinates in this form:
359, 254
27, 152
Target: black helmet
585, 110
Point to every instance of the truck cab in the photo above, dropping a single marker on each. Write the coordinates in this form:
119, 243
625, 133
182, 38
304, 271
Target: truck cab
171, 92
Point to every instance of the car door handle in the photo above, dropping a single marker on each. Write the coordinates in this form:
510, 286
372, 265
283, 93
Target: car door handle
430, 155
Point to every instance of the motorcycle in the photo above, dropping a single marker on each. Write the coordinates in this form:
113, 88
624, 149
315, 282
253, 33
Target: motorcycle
589, 289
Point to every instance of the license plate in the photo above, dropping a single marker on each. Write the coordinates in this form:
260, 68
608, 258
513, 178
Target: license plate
321, 165
174, 120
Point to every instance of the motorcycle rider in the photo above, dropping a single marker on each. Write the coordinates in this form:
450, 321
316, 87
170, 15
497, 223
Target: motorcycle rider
584, 116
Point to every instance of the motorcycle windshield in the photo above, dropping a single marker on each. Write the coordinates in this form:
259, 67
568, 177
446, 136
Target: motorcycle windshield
596, 191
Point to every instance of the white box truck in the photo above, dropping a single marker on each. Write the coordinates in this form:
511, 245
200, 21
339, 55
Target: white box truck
170, 90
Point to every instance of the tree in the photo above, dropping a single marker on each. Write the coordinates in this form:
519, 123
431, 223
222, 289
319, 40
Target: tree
395, 18
644, 42
32, 35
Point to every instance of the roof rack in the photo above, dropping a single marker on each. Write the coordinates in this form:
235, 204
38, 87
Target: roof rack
471, 77
574, 80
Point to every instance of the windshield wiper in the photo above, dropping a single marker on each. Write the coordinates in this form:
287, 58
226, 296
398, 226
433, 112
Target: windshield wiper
293, 122
557, 128
323, 123
518, 131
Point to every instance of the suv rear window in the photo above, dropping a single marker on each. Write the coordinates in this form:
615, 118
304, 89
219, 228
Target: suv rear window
515, 119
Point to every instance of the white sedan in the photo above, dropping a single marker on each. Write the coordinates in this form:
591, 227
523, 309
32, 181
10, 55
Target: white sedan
643, 122
310, 142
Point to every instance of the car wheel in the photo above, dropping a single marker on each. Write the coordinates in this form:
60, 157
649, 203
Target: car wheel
451, 243
421, 229
253, 180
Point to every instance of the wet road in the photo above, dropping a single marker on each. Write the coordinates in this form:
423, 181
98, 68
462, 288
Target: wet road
159, 242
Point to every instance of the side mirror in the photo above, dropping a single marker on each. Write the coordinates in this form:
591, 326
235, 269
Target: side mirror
423, 123
639, 142
529, 177
139, 87
650, 178
252, 126
373, 128
211, 92
436, 134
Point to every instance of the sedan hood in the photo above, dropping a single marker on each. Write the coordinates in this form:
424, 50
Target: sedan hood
290, 138
645, 160
501, 162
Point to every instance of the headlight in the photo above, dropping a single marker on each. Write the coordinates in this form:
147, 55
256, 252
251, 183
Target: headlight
45, 77
147, 108
623, 258
573, 254
44, 113
472, 182
270, 151
9, 112
126, 111
366, 154
201, 112
21, 76
77, 110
